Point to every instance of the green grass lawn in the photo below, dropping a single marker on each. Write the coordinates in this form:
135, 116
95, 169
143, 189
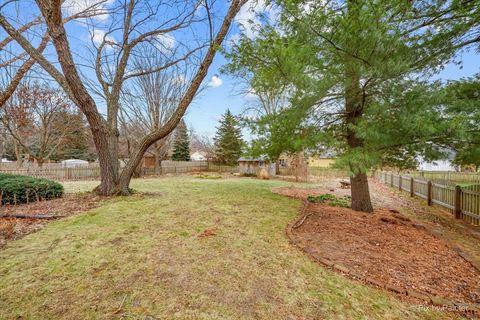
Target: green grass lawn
140, 257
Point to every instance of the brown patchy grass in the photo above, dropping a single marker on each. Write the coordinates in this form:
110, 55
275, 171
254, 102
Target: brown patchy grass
145, 257
14, 228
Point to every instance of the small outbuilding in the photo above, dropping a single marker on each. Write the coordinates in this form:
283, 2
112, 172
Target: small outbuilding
253, 165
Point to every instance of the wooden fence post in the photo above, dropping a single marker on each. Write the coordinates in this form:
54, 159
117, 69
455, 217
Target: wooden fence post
458, 196
429, 193
412, 192
400, 182
391, 179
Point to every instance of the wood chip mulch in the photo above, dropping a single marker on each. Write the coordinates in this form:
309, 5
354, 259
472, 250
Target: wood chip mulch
69, 204
388, 247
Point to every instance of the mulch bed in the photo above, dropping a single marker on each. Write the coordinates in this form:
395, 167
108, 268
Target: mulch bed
387, 247
14, 228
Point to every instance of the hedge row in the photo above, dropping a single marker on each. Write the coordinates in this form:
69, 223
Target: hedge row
15, 189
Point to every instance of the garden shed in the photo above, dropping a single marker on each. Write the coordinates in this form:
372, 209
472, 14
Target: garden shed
253, 165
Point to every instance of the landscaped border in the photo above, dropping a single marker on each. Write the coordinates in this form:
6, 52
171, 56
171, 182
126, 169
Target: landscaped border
339, 268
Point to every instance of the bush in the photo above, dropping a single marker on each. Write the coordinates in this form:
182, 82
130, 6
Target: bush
263, 174
249, 175
330, 199
16, 189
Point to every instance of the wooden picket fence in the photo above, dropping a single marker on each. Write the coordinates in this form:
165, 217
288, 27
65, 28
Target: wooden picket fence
321, 172
179, 167
91, 172
58, 174
449, 176
462, 201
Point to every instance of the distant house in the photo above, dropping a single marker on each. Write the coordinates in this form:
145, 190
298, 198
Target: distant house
198, 156
252, 165
323, 160
438, 165
326, 159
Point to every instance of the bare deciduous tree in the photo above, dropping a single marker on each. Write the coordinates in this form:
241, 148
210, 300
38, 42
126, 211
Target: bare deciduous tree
150, 101
202, 144
16, 63
35, 118
136, 24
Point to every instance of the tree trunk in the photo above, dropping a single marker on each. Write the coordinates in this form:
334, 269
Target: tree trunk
113, 136
360, 193
354, 104
156, 158
108, 178
2, 148
18, 155
277, 167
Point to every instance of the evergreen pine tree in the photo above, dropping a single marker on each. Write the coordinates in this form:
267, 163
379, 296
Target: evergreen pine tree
76, 142
228, 140
181, 145
355, 72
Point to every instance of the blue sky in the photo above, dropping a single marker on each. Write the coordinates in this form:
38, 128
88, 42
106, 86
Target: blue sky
207, 109
204, 113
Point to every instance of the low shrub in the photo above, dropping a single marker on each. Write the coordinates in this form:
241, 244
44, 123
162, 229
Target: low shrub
15, 189
330, 199
249, 175
263, 174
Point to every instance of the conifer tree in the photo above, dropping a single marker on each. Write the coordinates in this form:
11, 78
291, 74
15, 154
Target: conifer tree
181, 146
359, 72
228, 140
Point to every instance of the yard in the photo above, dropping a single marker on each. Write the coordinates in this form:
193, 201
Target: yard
183, 248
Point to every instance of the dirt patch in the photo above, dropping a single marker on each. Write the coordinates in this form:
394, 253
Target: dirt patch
207, 233
385, 246
14, 228
334, 186
302, 193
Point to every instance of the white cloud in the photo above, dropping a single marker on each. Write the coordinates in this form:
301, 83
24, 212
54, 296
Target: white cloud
98, 37
248, 18
251, 95
215, 82
97, 7
166, 42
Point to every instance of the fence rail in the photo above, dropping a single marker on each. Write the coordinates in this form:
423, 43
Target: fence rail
60, 174
448, 177
325, 172
461, 201
93, 172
